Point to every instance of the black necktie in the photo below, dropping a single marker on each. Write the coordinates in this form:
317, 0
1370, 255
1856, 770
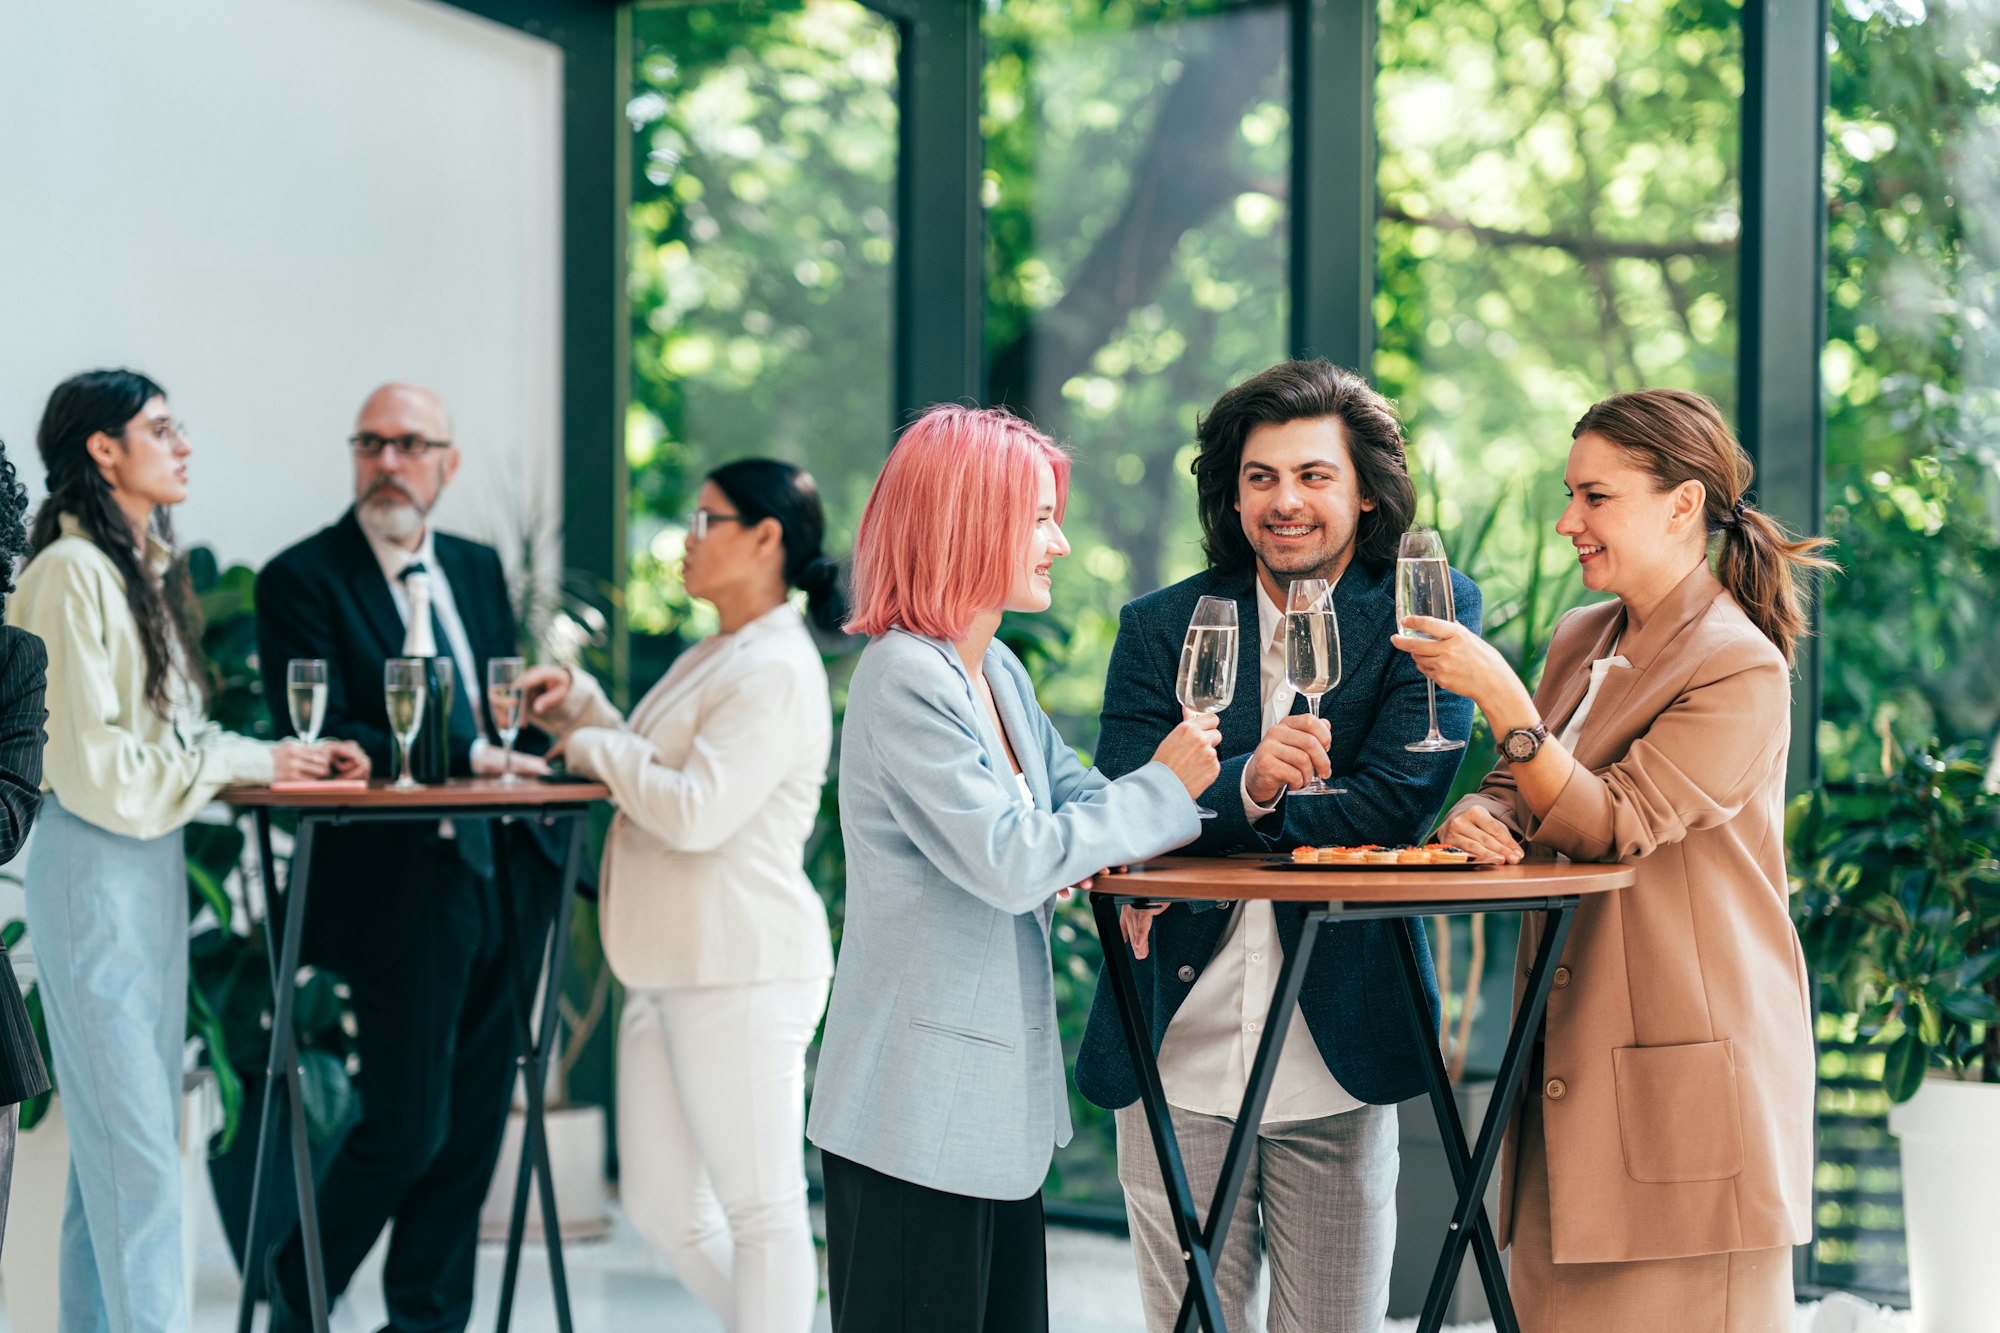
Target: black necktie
475, 841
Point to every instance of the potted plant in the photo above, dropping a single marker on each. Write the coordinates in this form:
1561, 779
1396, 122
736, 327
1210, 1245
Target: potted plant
229, 1009
1897, 897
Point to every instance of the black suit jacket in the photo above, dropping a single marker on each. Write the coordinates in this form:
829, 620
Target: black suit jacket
1352, 996
326, 598
24, 667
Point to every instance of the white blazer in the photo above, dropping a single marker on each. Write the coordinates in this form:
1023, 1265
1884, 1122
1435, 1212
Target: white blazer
717, 779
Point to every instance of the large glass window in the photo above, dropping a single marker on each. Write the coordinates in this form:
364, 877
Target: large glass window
1560, 213
762, 257
1137, 158
1912, 376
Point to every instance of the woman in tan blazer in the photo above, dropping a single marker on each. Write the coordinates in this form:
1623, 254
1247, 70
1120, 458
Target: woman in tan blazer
1660, 1169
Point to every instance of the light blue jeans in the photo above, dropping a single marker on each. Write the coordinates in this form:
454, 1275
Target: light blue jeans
108, 919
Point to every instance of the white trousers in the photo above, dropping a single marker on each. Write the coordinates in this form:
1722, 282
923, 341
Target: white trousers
711, 1135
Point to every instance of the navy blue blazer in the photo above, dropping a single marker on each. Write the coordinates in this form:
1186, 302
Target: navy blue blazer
1352, 996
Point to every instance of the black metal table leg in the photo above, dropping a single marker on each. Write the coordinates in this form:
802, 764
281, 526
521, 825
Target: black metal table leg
1451, 1133
1506, 1096
532, 1062
1471, 1170
1194, 1251
283, 1063
1263, 1072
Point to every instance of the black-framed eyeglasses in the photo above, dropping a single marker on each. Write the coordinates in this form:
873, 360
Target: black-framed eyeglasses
370, 445
699, 520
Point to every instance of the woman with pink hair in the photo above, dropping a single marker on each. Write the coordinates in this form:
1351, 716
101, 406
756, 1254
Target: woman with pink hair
940, 1096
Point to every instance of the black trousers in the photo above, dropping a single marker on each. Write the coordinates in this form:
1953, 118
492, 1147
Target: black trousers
904, 1258
435, 1039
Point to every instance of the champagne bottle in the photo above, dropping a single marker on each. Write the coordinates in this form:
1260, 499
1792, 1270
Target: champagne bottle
430, 758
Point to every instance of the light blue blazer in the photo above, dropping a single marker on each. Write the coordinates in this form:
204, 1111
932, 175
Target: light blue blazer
941, 1064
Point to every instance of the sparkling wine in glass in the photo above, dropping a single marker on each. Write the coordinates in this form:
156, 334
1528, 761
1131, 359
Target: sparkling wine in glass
305, 697
1312, 654
503, 704
1423, 588
1207, 679
403, 685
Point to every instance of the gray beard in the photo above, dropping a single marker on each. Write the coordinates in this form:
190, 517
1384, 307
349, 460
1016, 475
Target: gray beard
390, 523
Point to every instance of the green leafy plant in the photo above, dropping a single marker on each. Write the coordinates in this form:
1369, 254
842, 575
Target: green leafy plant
230, 1001
1896, 892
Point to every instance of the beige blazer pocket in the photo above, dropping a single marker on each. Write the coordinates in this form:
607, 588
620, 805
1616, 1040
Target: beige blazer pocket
1678, 1118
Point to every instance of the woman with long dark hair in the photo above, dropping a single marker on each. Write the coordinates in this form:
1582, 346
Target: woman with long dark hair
1660, 1171
23, 676
709, 918
131, 758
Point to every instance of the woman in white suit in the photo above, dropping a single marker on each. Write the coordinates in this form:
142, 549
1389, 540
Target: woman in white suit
708, 917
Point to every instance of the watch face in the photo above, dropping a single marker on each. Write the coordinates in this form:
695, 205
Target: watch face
1520, 745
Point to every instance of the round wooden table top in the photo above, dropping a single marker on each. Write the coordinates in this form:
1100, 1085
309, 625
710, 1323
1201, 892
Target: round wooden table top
458, 793
1208, 878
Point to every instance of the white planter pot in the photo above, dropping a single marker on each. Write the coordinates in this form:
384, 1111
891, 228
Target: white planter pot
30, 1261
576, 1160
34, 1231
1950, 1134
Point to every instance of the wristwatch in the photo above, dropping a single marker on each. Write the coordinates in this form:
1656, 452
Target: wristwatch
1523, 743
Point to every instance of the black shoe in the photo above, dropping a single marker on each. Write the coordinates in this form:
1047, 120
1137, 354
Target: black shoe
283, 1318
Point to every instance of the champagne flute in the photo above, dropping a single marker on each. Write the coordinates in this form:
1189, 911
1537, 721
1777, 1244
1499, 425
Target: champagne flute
305, 697
403, 686
1312, 654
503, 704
1207, 679
1423, 588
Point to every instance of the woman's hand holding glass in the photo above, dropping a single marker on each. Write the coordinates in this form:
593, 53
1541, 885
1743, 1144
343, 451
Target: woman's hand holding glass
1454, 658
1189, 751
543, 690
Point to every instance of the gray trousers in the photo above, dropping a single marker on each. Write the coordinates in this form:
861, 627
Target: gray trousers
1318, 1199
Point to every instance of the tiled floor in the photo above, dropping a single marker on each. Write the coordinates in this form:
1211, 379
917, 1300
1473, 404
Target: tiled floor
619, 1284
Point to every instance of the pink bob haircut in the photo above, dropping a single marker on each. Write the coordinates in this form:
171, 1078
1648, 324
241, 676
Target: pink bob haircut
948, 521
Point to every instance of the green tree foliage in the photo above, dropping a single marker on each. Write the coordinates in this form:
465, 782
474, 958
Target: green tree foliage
1912, 366
762, 249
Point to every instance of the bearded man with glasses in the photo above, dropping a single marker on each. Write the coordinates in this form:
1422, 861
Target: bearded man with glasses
411, 915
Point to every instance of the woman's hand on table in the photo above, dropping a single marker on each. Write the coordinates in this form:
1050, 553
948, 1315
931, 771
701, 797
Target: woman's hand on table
543, 690
1189, 751
292, 761
1458, 660
1477, 831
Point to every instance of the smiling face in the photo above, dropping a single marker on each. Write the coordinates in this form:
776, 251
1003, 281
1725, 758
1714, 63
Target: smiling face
1634, 540
1033, 587
1299, 501
146, 462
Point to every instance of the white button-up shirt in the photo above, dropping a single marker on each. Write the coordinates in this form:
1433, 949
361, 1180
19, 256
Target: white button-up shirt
394, 560
1206, 1056
1599, 669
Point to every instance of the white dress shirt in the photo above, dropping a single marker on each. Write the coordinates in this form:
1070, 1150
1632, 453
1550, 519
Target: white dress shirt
1598, 671
1206, 1055
394, 560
